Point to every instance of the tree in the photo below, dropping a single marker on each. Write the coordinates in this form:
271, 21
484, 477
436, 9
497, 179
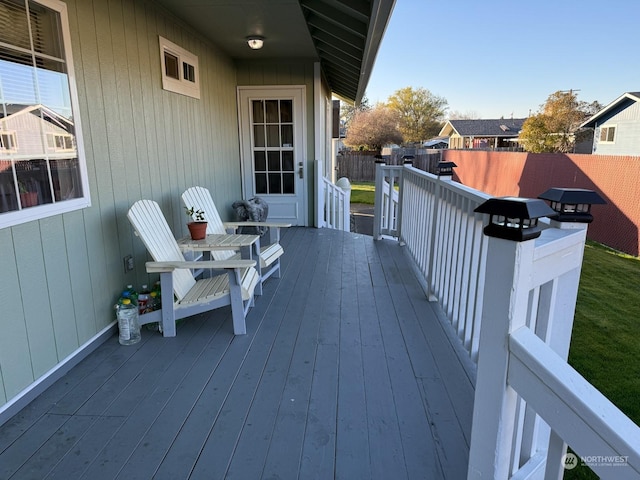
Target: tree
348, 110
535, 136
468, 115
371, 129
420, 113
554, 128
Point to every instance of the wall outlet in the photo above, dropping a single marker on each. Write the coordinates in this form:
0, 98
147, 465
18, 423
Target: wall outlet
128, 263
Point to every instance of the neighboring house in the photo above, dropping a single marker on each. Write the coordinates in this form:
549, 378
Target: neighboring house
482, 134
617, 126
143, 99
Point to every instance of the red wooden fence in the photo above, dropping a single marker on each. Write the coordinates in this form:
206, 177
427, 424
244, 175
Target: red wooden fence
615, 178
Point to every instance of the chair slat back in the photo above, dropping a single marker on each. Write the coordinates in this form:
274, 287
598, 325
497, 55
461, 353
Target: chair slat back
200, 198
152, 228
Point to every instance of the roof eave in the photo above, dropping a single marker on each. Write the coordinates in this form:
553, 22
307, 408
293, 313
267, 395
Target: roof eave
380, 15
592, 120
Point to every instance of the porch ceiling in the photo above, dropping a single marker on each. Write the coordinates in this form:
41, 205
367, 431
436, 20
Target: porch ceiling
344, 35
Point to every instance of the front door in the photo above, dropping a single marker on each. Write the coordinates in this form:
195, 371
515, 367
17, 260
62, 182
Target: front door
272, 150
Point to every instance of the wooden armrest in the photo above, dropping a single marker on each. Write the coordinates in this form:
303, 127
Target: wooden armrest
256, 224
159, 267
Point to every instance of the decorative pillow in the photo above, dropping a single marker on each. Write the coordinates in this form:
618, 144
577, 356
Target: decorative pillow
255, 210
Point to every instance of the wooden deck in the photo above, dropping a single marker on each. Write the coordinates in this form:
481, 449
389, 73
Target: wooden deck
345, 372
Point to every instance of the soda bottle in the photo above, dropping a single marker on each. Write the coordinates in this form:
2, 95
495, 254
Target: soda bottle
154, 301
144, 300
133, 295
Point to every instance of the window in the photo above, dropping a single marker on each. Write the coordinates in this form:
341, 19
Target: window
42, 166
179, 69
607, 134
8, 143
60, 142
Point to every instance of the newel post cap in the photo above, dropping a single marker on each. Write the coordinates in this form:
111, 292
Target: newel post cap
408, 159
514, 218
446, 168
572, 204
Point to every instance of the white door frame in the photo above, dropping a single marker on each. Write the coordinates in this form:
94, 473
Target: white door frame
300, 131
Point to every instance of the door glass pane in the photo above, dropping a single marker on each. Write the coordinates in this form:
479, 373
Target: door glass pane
258, 136
273, 136
275, 183
261, 183
286, 111
274, 161
260, 162
288, 183
271, 107
258, 111
287, 161
287, 136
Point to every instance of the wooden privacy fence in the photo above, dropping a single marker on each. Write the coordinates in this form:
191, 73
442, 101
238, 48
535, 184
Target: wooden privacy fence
360, 166
614, 177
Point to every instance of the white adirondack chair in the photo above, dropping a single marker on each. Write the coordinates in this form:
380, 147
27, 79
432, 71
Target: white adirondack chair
233, 285
270, 248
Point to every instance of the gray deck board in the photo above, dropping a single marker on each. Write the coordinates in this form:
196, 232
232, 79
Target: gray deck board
345, 372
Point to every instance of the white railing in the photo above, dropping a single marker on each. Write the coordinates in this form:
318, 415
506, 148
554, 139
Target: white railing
386, 201
332, 203
511, 304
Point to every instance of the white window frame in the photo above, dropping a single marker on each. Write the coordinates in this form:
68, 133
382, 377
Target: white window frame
17, 217
13, 141
52, 144
180, 85
607, 128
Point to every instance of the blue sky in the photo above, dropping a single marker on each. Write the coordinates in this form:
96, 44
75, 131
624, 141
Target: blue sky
497, 58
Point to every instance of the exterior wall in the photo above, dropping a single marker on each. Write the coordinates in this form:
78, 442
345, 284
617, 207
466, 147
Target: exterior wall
615, 178
60, 277
627, 141
456, 141
294, 72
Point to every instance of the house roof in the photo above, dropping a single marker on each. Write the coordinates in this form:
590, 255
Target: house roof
344, 36
484, 128
620, 103
436, 141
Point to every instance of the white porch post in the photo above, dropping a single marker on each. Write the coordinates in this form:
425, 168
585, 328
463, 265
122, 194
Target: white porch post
510, 270
509, 265
319, 210
378, 203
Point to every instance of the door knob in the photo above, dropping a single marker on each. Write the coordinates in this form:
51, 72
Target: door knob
300, 170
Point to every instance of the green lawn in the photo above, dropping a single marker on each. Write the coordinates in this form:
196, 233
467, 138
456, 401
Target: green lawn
605, 345
362, 192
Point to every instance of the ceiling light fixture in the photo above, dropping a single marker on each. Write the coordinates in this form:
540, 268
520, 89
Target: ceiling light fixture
255, 42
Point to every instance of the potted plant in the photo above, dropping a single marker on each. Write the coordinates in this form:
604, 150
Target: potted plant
197, 227
27, 198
